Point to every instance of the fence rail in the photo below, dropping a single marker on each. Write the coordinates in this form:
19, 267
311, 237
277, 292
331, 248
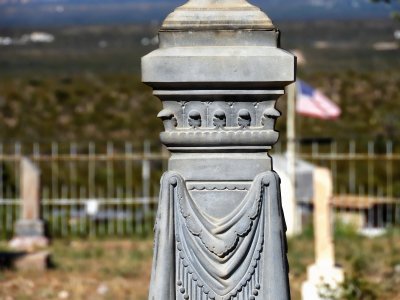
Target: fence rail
85, 157
106, 189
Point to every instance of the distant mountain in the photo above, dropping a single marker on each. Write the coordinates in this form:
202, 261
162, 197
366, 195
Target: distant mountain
325, 9
41, 13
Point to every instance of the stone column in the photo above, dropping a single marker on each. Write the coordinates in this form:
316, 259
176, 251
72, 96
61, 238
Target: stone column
323, 277
220, 229
30, 228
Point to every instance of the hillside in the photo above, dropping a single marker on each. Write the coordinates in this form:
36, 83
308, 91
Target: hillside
85, 86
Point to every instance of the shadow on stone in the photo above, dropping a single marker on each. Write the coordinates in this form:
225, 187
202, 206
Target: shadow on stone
24, 261
8, 259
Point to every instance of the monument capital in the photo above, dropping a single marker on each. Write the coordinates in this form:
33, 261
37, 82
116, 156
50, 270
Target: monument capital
199, 15
218, 44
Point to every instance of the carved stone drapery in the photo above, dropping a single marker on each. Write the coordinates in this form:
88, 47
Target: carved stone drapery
220, 231
220, 258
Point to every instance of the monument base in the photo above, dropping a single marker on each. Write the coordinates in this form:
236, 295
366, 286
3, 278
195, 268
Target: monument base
29, 236
29, 244
38, 261
322, 281
29, 228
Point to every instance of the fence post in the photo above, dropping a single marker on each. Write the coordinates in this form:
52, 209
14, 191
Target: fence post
129, 187
3, 227
389, 183
219, 72
352, 167
371, 183
73, 187
146, 169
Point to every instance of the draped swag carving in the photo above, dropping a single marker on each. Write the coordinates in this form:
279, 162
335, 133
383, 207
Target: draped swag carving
201, 257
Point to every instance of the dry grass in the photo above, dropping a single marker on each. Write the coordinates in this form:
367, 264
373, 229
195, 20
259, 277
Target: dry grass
120, 269
86, 270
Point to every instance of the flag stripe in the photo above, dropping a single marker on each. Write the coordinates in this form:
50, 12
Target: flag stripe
313, 103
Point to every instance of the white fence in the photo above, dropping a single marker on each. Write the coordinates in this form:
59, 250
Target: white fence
112, 190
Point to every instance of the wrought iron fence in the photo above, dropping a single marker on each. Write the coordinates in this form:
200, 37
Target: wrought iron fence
112, 189
96, 190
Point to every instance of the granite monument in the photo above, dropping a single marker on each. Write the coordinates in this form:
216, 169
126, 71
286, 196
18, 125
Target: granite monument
220, 229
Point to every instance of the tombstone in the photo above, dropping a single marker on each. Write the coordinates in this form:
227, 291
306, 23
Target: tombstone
323, 276
29, 230
303, 193
220, 229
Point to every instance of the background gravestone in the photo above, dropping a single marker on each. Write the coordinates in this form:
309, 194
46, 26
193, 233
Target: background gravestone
30, 231
323, 276
303, 193
220, 229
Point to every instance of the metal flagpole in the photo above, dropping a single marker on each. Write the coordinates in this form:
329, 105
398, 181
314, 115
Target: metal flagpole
291, 156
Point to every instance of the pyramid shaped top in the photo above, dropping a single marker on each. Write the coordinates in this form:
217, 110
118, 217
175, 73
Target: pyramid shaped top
217, 15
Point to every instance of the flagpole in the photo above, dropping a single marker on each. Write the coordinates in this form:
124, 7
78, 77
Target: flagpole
291, 156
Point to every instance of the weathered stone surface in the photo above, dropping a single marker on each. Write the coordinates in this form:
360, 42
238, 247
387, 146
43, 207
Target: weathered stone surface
303, 192
321, 282
220, 230
323, 276
38, 261
29, 243
324, 247
219, 66
30, 190
217, 15
29, 230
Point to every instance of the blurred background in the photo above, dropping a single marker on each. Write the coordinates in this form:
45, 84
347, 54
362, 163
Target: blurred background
71, 100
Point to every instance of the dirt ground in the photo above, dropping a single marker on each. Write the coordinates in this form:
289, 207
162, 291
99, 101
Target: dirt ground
120, 269
87, 270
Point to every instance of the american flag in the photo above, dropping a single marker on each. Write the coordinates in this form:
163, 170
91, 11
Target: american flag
313, 103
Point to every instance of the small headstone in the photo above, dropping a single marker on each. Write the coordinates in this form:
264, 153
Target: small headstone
323, 276
324, 247
302, 194
29, 230
30, 184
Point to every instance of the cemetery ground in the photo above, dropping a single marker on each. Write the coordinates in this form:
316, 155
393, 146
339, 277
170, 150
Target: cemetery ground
120, 268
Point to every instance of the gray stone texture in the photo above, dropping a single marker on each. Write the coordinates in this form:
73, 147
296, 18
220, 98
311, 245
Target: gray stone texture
323, 277
38, 261
30, 190
29, 229
220, 229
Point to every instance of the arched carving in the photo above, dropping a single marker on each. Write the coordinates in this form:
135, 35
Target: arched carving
194, 119
244, 118
269, 118
219, 120
169, 119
